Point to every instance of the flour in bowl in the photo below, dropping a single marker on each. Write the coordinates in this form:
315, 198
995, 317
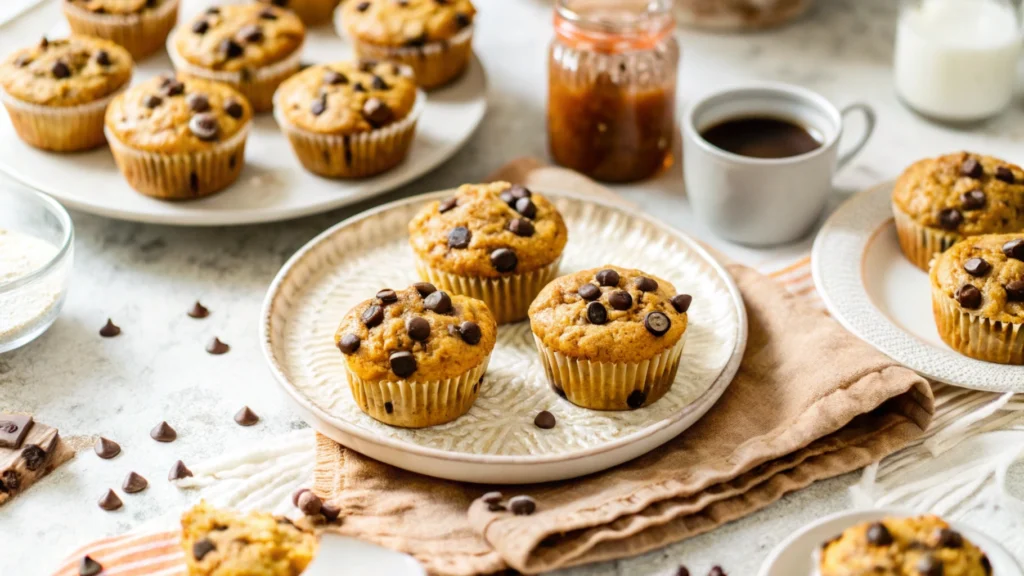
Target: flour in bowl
21, 308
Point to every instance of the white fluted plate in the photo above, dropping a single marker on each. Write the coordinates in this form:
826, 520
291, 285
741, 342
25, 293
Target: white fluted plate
497, 442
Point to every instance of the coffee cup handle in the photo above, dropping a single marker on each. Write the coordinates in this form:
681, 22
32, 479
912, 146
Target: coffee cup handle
869, 127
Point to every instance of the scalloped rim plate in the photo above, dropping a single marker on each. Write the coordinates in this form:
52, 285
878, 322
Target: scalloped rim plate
876, 293
382, 444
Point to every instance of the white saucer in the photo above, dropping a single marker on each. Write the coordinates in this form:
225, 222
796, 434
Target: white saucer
359, 559
876, 293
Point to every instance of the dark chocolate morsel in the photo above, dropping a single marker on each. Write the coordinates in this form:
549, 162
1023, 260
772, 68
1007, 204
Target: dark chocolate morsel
172, 87
968, 296
597, 313
251, 34
34, 457
620, 300
608, 277
106, 448
878, 535
977, 267
103, 58
387, 296
521, 227
950, 218
296, 495
230, 49
217, 347
179, 471
526, 207
199, 311
929, 565
377, 113
948, 538
504, 260
636, 399
333, 78
372, 316
1015, 291
645, 284
152, 101
470, 332
204, 126
1014, 249
657, 323
418, 328
447, 204
971, 168
491, 498
517, 191
110, 501
330, 511
1005, 174
319, 105
459, 237
163, 432
522, 505
589, 292
110, 329
439, 302
202, 547
246, 417
310, 503
545, 420
362, 6
197, 102
60, 69
425, 288
378, 83
200, 27
234, 109
681, 302
972, 200
402, 363
134, 483
89, 567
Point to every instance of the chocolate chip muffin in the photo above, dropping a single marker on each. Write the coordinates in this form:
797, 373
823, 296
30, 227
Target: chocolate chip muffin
922, 546
978, 297
434, 38
610, 338
497, 242
939, 201
253, 47
140, 26
57, 91
179, 138
310, 11
416, 357
223, 542
349, 119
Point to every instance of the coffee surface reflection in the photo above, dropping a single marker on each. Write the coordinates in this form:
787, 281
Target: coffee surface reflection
761, 137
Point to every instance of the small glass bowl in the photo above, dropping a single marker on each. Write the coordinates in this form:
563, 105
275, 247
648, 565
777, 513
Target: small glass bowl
36, 252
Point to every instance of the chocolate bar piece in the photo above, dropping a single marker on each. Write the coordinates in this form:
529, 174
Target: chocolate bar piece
13, 428
35, 455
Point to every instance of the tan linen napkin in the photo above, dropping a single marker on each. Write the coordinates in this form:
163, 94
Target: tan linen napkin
810, 401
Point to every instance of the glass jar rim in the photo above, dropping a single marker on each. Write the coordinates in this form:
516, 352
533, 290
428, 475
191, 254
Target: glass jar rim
614, 25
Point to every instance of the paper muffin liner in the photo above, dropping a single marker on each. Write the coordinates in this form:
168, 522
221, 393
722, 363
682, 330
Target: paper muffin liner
353, 155
313, 12
976, 336
59, 128
141, 34
415, 404
256, 85
508, 297
435, 63
608, 385
920, 243
183, 176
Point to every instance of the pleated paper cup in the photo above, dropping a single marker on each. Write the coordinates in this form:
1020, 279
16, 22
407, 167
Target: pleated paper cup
353, 155
416, 404
611, 385
920, 243
313, 12
184, 176
257, 85
140, 34
508, 297
59, 128
976, 336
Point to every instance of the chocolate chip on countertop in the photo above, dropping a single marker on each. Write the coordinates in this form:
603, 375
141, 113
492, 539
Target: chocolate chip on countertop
522, 505
200, 27
620, 300
972, 200
234, 109
971, 168
657, 323
504, 260
878, 535
202, 547
948, 538
377, 113
1005, 174
297, 494
717, 571
608, 277
645, 284
204, 126
179, 471
251, 33
682, 571
199, 311
89, 567
163, 432
491, 498
230, 49
246, 417
968, 296
929, 565
977, 267
217, 347
447, 204
597, 313
439, 302
526, 207
134, 483
425, 288
387, 296
403, 363
545, 420
110, 329
310, 503
330, 511
1015, 291
459, 237
589, 292
60, 69
417, 328
106, 448
470, 332
152, 101
110, 501
1014, 249
103, 58
372, 316
521, 227
681, 302
950, 218
496, 507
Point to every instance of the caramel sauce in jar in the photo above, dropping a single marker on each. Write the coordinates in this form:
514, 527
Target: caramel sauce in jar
612, 73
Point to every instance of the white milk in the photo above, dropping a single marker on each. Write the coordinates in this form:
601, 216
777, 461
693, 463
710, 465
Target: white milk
956, 60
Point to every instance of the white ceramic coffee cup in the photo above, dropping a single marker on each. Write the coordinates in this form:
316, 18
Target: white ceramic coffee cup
758, 201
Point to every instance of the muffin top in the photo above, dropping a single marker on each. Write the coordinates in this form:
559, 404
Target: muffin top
963, 193
489, 230
347, 97
118, 7
985, 275
609, 314
921, 546
406, 22
177, 115
68, 72
239, 37
420, 333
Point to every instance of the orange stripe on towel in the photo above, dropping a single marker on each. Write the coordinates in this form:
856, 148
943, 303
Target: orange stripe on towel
124, 553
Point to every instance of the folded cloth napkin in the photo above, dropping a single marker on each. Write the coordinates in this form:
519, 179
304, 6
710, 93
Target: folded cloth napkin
810, 401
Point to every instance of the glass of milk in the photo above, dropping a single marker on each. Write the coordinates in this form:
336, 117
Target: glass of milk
956, 60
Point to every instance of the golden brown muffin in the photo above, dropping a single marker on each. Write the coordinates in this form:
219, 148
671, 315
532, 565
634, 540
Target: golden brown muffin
179, 138
978, 297
922, 546
416, 357
228, 543
433, 38
626, 323
140, 26
252, 46
310, 11
939, 201
497, 242
56, 91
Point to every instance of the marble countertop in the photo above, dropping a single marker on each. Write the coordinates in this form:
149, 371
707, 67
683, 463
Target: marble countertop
146, 277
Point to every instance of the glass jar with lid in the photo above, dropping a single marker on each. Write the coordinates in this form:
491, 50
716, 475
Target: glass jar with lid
612, 72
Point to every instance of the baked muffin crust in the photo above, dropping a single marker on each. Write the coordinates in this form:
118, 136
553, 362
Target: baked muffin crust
239, 37
347, 97
67, 72
117, 7
565, 317
406, 23
993, 265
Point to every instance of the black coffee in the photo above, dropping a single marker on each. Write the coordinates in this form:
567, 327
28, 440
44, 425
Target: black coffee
761, 137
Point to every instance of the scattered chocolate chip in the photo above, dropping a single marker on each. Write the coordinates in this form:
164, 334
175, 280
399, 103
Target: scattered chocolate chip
950, 218
358, 87
402, 363
968, 296
417, 328
504, 260
110, 501
199, 311
972, 200
545, 420
334, 78
204, 126
589, 292
439, 302
44, 43
200, 27
201, 548
377, 113
197, 102
234, 109
447, 204
492, 498
89, 567
251, 33
459, 237
152, 101
246, 417
110, 329
387, 296
1014, 249
163, 433
1005, 174
657, 323
971, 168
106, 448
683, 571
379, 83
462, 20
470, 332
172, 87
522, 505
717, 571
349, 343
103, 58
977, 267
521, 227
13, 429
134, 483
418, 41
878, 535
929, 565
362, 6
608, 277
1015, 291
230, 49
310, 503
597, 313
681, 302
526, 207
319, 105
281, 3
372, 316
620, 300
268, 14
330, 511
217, 347
425, 288
389, 407
496, 507
947, 538
645, 284
367, 65
986, 565
179, 471
34, 457
60, 69
297, 494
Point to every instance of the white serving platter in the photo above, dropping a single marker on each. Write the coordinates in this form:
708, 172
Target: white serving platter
273, 186
876, 293
497, 442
